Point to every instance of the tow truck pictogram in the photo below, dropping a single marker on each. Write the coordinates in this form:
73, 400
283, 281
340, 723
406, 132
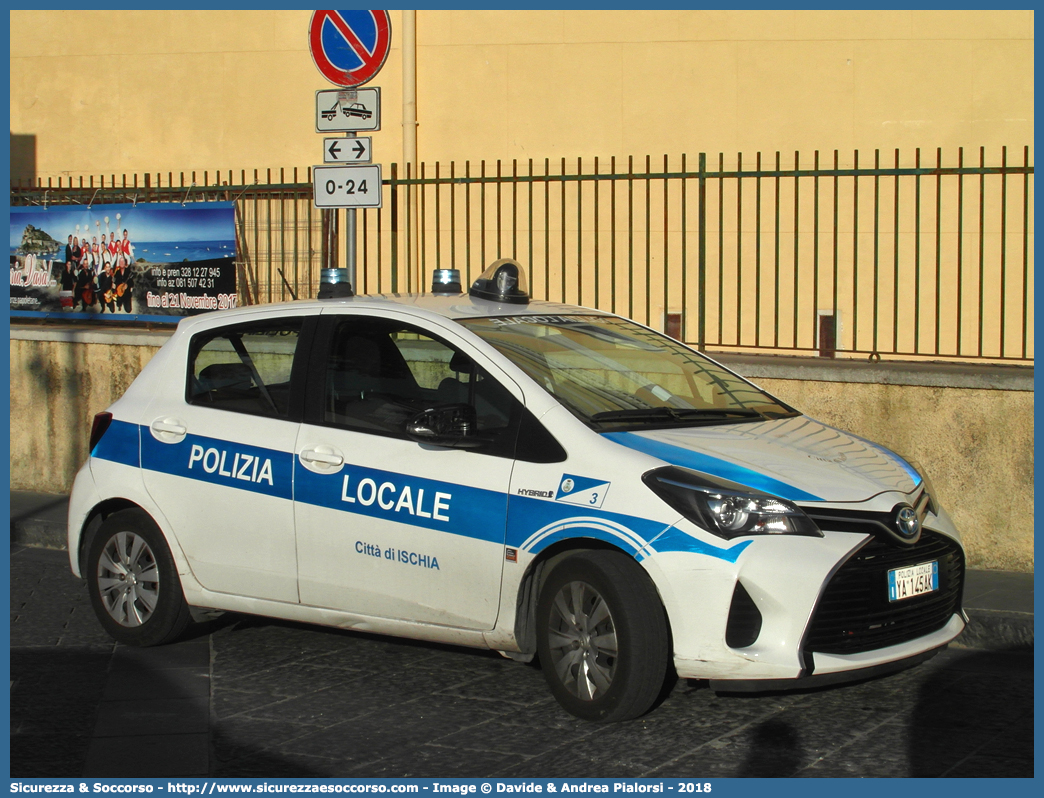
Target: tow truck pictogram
355, 109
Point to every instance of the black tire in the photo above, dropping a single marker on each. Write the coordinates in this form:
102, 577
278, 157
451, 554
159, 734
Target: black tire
607, 661
133, 582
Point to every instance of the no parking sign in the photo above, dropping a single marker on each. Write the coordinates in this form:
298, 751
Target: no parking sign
349, 47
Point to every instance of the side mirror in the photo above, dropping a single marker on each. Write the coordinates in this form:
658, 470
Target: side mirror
453, 425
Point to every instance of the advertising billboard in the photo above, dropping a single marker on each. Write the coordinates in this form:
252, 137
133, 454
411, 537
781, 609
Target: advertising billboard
108, 261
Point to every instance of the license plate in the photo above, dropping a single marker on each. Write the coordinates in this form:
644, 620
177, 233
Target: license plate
904, 583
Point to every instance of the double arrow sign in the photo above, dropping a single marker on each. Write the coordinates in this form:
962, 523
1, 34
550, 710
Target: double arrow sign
347, 150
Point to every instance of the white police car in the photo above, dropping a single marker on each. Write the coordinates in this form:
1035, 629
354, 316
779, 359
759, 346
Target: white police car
535, 478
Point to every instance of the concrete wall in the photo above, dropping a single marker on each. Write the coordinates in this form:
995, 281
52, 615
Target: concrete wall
970, 427
59, 379
976, 445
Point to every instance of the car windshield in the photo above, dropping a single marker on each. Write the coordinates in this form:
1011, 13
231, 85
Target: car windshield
613, 373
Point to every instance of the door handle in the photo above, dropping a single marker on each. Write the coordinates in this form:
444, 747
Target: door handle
325, 458
168, 430
169, 425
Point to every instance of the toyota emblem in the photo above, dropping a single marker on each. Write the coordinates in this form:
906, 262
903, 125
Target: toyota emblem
906, 521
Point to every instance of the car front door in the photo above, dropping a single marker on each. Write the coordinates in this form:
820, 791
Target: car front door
386, 526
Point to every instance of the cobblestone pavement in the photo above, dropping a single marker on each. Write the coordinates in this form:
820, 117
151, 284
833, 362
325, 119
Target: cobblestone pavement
251, 697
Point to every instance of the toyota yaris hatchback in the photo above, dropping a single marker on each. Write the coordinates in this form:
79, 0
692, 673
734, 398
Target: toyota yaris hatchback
539, 479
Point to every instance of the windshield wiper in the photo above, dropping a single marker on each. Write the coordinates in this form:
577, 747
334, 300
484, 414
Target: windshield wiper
675, 414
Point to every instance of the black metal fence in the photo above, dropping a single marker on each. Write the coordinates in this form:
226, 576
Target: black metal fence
918, 259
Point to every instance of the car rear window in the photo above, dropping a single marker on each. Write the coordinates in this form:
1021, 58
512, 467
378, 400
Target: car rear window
245, 369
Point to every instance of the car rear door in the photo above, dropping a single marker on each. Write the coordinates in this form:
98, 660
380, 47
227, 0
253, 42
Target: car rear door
218, 457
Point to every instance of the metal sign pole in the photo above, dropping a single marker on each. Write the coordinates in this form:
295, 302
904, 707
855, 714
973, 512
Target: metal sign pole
349, 240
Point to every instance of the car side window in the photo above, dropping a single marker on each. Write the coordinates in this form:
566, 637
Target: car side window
245, 369
379, 374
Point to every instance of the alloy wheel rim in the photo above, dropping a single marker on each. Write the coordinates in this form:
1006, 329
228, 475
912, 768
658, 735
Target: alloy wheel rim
582, 641
128, 579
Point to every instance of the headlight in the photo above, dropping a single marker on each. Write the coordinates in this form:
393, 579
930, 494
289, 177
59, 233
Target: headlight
725, 508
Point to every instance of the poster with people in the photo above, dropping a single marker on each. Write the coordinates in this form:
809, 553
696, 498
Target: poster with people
100, 261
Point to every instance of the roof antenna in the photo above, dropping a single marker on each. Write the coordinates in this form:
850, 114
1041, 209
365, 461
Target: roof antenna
287, 284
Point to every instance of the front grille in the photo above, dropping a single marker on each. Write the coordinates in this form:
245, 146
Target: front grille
854, 613
868, 523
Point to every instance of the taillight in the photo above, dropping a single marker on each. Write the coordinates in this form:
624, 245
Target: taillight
98, 426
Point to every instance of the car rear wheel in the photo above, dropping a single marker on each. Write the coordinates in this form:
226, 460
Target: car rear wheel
602, 636
133, 583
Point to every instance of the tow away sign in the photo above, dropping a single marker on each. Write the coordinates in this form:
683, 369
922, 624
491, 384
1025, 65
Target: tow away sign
348, 110
348, 150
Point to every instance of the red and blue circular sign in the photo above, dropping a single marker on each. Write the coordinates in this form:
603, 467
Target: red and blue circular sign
349, 47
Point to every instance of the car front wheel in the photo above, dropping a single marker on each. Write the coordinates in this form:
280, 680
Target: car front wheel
133, 582
602, 636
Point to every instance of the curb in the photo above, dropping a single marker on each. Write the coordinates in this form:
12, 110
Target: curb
39, 520
997, 630
39, 533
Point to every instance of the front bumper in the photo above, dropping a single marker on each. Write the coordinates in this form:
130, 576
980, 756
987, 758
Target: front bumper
820, 609
821, 679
